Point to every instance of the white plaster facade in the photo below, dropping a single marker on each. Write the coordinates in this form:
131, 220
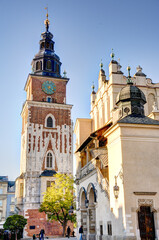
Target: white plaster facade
37, 140
126, 150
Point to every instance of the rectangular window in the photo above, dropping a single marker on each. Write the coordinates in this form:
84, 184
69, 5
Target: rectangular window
0, 215
101, 230
32, 227
1, 190
48, 184
109, 226
0, 203
21, 189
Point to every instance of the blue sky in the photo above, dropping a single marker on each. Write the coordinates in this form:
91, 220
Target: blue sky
84, 33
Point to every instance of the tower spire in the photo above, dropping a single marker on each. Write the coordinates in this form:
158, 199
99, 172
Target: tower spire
47, 22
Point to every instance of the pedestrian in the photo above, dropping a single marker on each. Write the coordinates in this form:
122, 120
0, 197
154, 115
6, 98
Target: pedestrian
68, 232
80, 232
34, 236
42, 232
73, 234
6, 236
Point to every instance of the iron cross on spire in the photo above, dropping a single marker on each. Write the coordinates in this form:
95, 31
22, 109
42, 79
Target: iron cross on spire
47, 22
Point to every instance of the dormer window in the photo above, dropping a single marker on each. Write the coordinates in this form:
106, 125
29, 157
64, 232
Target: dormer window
48, 65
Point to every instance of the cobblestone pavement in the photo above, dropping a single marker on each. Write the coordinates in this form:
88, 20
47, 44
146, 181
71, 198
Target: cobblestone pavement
60, 238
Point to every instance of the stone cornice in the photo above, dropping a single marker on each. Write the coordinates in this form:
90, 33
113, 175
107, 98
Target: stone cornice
30, 103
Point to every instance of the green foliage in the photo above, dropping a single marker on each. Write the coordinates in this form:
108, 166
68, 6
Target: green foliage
15, 222
58, 199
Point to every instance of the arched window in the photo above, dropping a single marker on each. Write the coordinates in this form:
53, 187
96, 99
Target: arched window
48, 65
42, 45
47, 44
38, 65
51, 45
49, 160
48, 99
49, 122
58, 69
151, 100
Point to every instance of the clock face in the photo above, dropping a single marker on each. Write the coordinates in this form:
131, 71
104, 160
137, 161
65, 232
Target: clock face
49, 87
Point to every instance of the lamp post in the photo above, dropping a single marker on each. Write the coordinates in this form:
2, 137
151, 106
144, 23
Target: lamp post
116, 188
70, 212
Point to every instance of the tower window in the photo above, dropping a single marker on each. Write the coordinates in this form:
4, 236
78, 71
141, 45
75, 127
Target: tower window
49, 160
47, 44
49, 122
49, 99
57, 68
51, 45
48, 65
42, 45
38, 65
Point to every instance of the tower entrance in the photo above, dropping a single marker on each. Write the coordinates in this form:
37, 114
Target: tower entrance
146, 223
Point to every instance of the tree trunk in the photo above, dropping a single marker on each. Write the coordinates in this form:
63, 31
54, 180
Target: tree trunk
64, 228
16, 234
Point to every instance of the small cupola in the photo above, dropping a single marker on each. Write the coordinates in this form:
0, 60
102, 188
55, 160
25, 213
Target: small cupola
130, 99
139, 72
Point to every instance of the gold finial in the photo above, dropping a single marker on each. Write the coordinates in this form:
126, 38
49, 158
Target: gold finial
47, 22
129, 81
112, 54
93, 87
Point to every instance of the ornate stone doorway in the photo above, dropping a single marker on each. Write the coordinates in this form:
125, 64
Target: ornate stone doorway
146, 223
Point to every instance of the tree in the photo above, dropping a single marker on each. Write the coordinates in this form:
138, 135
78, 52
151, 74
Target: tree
15, 223
59, 200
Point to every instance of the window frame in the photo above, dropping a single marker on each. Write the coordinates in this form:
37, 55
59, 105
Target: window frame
53, 160
53, 121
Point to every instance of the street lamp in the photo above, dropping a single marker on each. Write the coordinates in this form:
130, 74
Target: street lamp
70, 212
116, 188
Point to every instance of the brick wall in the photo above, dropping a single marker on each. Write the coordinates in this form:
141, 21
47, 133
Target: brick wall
37, 219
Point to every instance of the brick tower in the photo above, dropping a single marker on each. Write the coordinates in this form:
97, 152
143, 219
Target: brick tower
46, 139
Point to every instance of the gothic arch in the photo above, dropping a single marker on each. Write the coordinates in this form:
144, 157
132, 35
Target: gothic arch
91, 191
82, 196
53, 120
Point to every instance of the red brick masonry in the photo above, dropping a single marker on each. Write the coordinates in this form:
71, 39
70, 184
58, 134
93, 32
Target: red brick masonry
39, 220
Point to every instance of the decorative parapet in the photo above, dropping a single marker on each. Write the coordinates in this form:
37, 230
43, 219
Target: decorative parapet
87, 169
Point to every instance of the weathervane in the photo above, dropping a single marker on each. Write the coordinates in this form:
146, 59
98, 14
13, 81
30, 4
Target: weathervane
129, 81
47, 22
